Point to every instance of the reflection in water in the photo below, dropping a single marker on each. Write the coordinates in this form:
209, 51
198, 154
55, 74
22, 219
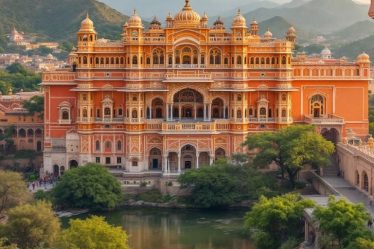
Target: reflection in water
181, 229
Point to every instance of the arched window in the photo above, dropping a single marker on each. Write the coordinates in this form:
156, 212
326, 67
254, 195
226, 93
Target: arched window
108, 145
107, 111
135, 60
84, 59
239, 97
239, 114
317, 106
119, 145
215, 57
284, 60
148, 61
85, 113
239, 60
65, 115
365, 181
134, 114
97, 145
262, 112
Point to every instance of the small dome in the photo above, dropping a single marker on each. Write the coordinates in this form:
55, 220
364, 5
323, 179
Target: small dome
254, 22
239, 21
268, 34
218, 22
364, 57
87, 25
205, 17
326, 53
155, 24
135, 20
169, 17
187, 17
291, 30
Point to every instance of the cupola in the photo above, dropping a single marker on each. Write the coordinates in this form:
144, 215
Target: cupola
239, 21
135, 21
187, 17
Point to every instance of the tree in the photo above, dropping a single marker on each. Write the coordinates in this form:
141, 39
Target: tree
13, 190
222, 184
276, 220
291, 149
32, 226
35, 105
16, 68
90, 186
3, 244
92, 233
342, 222
361, 243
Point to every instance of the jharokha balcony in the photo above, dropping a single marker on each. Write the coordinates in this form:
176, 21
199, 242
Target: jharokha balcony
329, 119
188, 76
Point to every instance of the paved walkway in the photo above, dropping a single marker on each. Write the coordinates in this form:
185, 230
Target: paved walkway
44, 187
350, 192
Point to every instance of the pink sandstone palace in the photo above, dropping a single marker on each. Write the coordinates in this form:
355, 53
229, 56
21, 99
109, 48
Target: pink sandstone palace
171, 98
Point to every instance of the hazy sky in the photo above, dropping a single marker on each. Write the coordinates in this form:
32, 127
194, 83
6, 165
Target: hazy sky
147, 8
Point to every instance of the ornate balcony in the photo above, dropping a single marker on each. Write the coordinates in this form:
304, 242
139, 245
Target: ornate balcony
330, 119
188, 76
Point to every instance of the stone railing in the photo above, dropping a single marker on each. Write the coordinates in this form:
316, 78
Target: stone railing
363, 151
329, 119
188, 76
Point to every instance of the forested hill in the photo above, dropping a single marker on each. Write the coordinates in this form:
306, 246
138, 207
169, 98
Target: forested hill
59, 19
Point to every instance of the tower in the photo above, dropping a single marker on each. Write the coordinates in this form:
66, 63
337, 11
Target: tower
86, 34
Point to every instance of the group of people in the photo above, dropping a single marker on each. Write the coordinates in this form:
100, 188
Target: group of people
45, 182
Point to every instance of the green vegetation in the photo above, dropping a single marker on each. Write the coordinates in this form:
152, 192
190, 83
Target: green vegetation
93, 233
90, 186
13, 191
291, 148
17, 78
278, 220
154, 196
224, 184
35, 105
32, 226
343, 224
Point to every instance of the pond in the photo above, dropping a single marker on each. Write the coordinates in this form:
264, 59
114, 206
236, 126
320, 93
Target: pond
180, 229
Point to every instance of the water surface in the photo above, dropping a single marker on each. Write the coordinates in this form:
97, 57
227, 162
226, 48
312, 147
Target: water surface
180, 229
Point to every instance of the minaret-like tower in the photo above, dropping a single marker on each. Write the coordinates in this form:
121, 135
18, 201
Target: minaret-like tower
86, 34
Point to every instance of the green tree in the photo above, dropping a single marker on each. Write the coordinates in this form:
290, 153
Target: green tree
362, 243
222, 184
274, 221
342, 222
32, 226
90, 186
291, 149
4, 245
16, 68
13, 190
93, 233
35, 105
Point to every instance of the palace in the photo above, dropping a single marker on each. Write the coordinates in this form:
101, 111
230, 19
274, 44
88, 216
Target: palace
171, 98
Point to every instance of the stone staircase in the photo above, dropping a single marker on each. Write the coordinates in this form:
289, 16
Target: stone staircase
332, 169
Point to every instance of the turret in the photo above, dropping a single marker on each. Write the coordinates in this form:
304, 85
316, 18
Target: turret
239, 25
86, 34
254, 28
291, 35
204, 21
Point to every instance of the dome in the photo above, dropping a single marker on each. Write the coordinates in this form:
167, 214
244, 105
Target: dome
169, 17
326, 53
87, 25
155, 24
187, 16
364, 57
254, 23
291, 30
205, 17
239, 21
268, 34
135, 20
218, 22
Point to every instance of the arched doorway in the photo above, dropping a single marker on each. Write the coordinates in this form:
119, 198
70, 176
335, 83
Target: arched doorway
155, 159
73, 164
204, 159
365, 181
157, 108
317, 106
331, 135
38, 146
357, 178
220, 153
188, 157
188, 104
62, 170
56, 170
218, 109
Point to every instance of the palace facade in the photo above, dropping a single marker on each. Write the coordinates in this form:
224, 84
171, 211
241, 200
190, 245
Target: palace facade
171, 98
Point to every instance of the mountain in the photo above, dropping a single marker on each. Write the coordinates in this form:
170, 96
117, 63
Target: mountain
279, 27
318, 16
295, 3
249, 7
352, 50
59, 19
357, 31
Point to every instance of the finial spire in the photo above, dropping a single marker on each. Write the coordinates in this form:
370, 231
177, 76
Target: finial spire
134, 12
187, 3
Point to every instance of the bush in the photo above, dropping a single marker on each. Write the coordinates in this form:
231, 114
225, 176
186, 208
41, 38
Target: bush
90, 186
222, 185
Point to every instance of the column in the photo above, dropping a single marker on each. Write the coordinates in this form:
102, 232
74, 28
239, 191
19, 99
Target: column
171, 111
167, 112
205, 112
211, 159
197, 159
210, 112
164, 163
180, 111
194, 107
179, 162
150, 112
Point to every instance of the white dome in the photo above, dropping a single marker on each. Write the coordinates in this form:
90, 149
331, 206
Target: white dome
135, 20
239, 21
268, 34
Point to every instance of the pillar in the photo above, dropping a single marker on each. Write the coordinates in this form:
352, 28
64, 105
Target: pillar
164, 163
167, 112
179, 162
210, 112
171, 112
197, 159
211, 159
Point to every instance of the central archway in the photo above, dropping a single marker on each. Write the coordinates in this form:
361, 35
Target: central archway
188, 157
188, 104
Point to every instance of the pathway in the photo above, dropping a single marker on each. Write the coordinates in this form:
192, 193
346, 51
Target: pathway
349, 192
